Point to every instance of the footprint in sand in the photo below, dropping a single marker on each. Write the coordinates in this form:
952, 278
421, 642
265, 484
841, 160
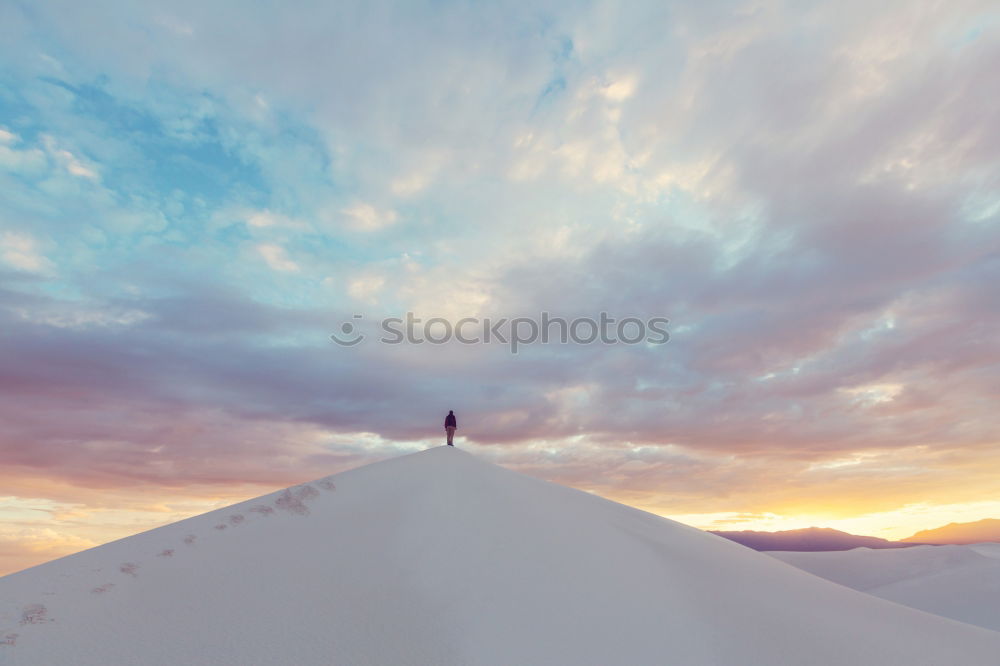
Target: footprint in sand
129, 568
9, 639
326, 484
189, 539
101, 589
221, 526
293, 499
236, 519
168, 552
262, 509
35, 614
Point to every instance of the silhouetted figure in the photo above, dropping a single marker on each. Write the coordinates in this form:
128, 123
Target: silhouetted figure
450, 423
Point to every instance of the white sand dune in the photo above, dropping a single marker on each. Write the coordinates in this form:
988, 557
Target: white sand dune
440, 558
987, 549
959, 582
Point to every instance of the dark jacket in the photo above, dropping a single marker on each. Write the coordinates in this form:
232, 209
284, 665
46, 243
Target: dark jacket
450, 420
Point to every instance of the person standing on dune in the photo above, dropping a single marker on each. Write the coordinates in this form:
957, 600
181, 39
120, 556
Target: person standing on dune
450, 423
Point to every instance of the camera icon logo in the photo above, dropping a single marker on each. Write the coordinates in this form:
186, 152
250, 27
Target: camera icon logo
349, 335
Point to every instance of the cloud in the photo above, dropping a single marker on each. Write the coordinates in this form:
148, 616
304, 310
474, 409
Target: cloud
82, 317
20, 251
806, 192
29, 160
24, 548
267, 218
365, 217
366, 288
277, 258
72, 163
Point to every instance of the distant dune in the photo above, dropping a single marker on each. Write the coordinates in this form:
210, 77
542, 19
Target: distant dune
981, 531
959, 582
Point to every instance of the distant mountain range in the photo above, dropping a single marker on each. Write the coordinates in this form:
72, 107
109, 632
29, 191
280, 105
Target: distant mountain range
825, 538
960, 533
808, 539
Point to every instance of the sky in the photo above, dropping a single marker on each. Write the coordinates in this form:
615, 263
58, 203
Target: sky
195, 196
